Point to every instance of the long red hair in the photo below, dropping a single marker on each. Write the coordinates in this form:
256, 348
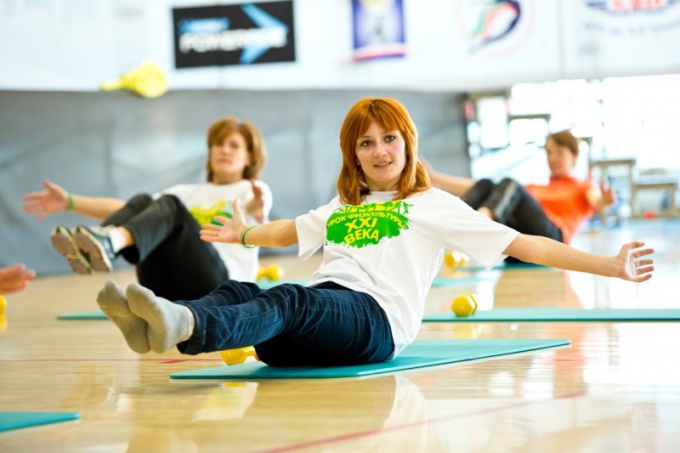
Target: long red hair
390, 115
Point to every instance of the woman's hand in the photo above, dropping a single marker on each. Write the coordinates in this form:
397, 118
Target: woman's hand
608, 197
255, 207
50, 201
14, 278
228, 231
632, 268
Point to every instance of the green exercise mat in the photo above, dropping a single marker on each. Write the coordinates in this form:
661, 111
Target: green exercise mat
561, 315
438, 282
422, 353
16, 420
266, 284
82, 316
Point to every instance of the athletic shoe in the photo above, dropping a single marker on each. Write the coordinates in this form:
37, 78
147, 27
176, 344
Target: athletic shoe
63, 242
95, 241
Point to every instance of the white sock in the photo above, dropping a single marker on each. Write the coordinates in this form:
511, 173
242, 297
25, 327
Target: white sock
112, 302
169, 323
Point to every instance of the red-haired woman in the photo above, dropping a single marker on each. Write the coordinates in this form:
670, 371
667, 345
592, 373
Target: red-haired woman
383, 239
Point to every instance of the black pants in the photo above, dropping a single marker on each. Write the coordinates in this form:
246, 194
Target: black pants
513, 206
170, 257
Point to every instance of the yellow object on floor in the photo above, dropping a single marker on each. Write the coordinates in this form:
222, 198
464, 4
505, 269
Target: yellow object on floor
238, 355
465, 305
273, 273
455, 258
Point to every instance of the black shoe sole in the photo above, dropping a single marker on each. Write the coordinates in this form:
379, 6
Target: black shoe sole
63, 242
89, 244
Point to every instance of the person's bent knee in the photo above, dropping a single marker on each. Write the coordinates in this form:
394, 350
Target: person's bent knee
485, 183
140, 201
507, 182
170, 199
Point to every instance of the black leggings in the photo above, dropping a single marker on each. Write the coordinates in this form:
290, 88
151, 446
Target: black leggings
170, 257
513, 206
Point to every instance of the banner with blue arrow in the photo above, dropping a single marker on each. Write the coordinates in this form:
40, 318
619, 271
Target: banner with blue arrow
234, 34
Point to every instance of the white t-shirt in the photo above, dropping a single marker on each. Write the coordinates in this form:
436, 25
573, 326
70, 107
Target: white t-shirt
392, 250
205, 201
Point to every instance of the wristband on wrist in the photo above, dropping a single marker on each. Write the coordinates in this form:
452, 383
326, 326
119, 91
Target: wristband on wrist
243, 237
69, 207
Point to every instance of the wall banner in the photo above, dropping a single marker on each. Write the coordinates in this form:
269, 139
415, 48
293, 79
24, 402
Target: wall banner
235, 34
378, 29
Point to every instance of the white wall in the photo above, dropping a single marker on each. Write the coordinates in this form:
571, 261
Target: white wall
79, 44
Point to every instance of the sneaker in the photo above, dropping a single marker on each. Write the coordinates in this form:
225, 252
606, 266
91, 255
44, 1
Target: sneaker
63, 242
95, 241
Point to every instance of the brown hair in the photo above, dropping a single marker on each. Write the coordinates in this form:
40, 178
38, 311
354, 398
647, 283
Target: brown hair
224, 127
565, 138
391, 115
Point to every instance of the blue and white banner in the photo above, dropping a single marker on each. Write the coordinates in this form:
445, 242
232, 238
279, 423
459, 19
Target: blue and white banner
378, 29
235, 34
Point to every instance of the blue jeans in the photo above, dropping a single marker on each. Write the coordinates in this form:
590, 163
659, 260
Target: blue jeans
291, 325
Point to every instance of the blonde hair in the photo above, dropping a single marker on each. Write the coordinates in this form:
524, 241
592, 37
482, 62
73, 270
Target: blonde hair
390, 115
224, 127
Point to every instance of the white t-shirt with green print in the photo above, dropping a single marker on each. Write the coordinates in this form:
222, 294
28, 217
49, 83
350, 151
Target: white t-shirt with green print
392, 250
205, 201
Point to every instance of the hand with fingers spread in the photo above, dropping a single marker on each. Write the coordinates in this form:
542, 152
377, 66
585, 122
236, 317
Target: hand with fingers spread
228, 231
632, 268
14, 278
52, 200
608, 197
256, 206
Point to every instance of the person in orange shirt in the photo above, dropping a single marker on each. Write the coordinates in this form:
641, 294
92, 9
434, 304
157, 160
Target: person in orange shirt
556, 210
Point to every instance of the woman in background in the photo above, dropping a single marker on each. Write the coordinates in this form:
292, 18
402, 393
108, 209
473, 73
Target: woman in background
160, 233
556, 210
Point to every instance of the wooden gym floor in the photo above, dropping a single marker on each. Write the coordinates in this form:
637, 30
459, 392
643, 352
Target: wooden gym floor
617, 388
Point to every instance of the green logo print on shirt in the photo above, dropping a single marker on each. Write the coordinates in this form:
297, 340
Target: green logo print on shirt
359, 226
205, 215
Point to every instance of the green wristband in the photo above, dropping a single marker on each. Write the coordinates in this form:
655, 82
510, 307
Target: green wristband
69, 207
243, 237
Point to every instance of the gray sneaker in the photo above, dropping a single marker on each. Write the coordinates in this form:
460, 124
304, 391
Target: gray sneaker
95, 241
63, 242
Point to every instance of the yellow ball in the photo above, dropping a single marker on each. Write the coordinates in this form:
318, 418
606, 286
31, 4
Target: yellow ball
273, 273
464, 305
3, 304
454, 258
238, 355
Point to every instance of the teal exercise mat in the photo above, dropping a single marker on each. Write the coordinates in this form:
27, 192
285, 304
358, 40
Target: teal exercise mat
82, 316
436, 283
266, 284
422, 353
561, 315
440, 282
16, 420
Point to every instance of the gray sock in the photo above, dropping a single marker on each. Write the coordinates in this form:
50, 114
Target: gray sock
112, 302
169, 323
